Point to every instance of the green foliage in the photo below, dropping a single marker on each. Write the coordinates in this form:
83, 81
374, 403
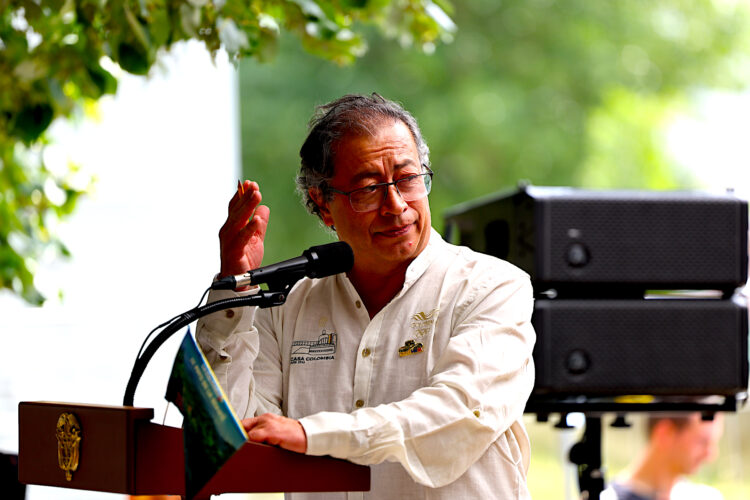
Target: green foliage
568, 92
56, 55
33, 198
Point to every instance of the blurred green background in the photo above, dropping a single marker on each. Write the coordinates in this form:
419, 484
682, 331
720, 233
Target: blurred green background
575, 93
558, 93
552, 477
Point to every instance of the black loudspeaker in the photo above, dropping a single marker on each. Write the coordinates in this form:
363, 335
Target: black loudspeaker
593, 256
657, 347
576, 241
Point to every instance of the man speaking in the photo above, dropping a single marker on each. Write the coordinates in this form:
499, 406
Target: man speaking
418, 361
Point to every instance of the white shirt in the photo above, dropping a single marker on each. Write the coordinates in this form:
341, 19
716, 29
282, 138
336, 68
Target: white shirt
682, 490
430, 392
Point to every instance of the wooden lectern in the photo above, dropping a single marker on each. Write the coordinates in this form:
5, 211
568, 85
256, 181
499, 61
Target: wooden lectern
122, 451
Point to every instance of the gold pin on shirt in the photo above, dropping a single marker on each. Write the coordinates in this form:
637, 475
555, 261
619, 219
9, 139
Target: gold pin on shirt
410, 347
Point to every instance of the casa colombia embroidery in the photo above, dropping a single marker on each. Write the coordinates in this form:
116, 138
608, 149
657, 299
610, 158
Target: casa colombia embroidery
324, 348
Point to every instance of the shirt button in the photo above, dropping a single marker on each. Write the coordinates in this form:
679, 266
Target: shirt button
358, 304
365, 352
476, 413
359, 403
229, 313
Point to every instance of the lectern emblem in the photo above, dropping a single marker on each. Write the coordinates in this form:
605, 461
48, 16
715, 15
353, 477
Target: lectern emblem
68, 443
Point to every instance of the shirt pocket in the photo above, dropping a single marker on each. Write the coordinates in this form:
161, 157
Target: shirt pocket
507, 447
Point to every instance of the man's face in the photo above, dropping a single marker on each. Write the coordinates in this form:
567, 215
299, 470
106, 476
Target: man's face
390, 237
697, 443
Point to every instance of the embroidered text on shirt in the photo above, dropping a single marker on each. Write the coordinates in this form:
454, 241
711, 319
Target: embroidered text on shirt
314, 350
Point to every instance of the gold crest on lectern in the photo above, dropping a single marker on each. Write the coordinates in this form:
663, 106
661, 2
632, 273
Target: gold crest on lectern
68, 443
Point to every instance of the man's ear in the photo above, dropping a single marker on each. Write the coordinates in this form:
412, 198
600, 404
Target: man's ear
664, 430
320, 200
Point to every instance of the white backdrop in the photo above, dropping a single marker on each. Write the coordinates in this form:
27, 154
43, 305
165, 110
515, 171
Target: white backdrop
166, 155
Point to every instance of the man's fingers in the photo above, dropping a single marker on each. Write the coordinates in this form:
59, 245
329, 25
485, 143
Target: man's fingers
253, 233
241, 236
240, 210
264, 435
249, 423
259, 429
277, 430
258, 224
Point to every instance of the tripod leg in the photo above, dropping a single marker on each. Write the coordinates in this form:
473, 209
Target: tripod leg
587, 455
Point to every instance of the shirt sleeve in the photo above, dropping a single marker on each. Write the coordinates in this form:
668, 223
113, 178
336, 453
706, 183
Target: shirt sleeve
476, 396
231, 344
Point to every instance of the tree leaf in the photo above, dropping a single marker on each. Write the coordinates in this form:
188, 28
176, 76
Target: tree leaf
133, 59
31, 121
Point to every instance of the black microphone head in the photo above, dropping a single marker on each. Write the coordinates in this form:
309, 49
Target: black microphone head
329, 259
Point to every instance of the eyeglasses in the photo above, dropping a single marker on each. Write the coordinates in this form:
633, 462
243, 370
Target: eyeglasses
368, 198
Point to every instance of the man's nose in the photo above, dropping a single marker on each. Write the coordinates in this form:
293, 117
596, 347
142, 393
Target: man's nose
394, 203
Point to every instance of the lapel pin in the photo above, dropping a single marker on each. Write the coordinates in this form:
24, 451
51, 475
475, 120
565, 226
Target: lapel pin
409, 348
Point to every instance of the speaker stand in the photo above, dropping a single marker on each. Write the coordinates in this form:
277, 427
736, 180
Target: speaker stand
587, 455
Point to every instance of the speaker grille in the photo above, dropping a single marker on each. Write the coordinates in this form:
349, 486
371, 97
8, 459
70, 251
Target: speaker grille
683, 242
614, 347
572, 239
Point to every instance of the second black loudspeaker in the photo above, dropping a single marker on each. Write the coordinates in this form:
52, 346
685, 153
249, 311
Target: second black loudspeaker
660, 346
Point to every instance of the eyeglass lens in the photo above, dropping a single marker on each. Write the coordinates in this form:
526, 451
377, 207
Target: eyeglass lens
410, 188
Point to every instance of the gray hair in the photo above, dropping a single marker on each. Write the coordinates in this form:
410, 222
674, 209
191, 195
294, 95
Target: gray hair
348, 115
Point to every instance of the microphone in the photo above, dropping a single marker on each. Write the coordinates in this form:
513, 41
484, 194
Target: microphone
315, 262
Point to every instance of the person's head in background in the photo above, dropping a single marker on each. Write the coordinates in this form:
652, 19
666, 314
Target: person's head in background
684, 441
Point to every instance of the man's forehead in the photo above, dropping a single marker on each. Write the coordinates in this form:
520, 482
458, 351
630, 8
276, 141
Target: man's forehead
383, 134
392, 140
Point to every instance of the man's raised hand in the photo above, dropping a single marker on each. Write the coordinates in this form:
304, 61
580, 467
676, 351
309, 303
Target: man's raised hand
241, 237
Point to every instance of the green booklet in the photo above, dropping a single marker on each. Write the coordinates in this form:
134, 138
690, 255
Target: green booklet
212, 432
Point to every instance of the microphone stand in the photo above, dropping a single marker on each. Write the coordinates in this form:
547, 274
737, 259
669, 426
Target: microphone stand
262, 299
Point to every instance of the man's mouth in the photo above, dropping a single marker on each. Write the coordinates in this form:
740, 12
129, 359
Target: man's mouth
396, 231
